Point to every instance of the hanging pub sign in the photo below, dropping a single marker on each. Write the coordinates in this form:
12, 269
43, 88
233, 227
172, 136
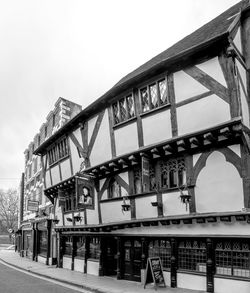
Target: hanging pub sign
32, 205
84, 193
154, 272
145, 173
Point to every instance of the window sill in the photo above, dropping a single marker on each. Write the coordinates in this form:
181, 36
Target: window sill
191, 272
79, 257
123, 123
59, 161
93, 259
231, 277
67, 255
153, 111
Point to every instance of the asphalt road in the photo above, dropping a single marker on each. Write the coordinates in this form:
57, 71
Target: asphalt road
13, 281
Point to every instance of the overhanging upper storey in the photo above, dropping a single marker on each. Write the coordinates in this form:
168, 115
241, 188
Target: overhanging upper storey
220, 135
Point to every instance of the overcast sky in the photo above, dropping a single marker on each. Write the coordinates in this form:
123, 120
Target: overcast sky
78, 50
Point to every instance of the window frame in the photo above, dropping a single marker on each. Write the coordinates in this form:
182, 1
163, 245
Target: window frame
118, 104
147, 86
155, 176
58, 151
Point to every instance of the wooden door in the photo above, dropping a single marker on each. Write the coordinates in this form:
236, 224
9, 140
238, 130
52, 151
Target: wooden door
110, 261
132, 260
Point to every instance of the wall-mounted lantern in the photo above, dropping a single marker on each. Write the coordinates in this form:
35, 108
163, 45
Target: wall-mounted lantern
69, 219
185, 196
125, 204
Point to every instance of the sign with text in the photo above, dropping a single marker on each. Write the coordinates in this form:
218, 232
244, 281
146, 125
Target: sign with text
33, 205
85, 193
154, 272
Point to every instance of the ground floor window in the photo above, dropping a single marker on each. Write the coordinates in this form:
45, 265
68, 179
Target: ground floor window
162, 249
192, 255
80, 246
94, 248
68, 246
43, 242
233, 258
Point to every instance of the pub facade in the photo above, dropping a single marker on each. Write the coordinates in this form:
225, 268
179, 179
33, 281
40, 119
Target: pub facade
160, 166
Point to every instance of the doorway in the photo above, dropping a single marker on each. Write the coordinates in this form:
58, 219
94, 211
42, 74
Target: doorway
110, 260
132, 251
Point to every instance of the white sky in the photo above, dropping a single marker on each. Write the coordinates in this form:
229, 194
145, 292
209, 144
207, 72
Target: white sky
77, 49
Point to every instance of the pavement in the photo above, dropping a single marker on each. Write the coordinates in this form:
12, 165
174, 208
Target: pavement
88, 282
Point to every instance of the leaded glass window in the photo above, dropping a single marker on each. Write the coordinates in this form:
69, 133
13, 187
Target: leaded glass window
94, 248
192, 255
130, 106
138, 179
173, 173
233, 258
58, 151
114, 189
68, 246
160, 248
80, 246
124, 109
154, 95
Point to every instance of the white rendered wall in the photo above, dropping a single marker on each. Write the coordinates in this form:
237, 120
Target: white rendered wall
93, 267
213, 69
190, 281
65, 169
78, 135
41, 259
144, 209
172, 204
237, 40
55, 174
91, 125
76, 160
243, 98
101, 151
236, 149
124, 176
112, 212
79, 265
126, 139
67, 262
230, 286
58, 213
202, 114
156, 127
219, 186
81, 214
186, 87
218, 228
92, 215
47, 179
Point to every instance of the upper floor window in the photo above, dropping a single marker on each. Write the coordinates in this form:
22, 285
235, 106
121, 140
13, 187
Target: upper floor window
172, 174
154, 95
114, 189
123, 109
58, 151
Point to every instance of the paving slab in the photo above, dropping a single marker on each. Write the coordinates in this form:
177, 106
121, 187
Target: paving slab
85, 281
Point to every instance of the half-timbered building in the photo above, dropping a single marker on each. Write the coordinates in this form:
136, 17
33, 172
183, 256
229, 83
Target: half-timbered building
160, 166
